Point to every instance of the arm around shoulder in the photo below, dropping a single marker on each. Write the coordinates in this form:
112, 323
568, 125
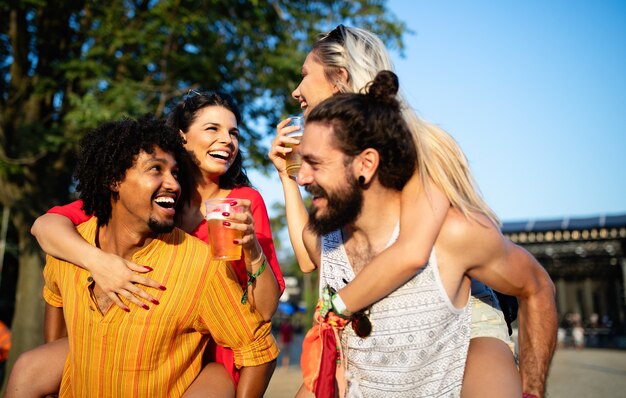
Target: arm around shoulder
58, 237
423, 212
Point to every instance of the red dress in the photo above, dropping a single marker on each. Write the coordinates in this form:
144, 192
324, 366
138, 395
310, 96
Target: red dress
74, 211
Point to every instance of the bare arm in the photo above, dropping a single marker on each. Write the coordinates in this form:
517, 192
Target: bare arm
58, 237
422, 215
263, 294
514, 271
253, 380
54, 324
297, 216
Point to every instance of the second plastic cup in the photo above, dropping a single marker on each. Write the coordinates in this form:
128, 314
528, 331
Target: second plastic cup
293, 159
221, 237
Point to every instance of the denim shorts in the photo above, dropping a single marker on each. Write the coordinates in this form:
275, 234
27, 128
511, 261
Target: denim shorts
487, 317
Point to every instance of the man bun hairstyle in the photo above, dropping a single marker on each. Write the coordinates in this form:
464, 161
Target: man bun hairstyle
384, 88
372, 119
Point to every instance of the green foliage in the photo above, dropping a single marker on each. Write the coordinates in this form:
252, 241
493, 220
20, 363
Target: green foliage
90, 61
66, 66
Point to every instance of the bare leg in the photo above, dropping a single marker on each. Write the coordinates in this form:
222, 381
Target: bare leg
212, 382
490, 370
304, 393
38, 372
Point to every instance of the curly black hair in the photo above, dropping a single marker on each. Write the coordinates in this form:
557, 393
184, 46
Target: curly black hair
372, 120
106, 153
183, 116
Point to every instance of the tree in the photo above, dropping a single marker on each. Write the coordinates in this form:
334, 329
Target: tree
66, 66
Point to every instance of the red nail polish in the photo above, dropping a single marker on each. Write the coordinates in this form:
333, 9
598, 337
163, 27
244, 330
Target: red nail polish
233, 203
162, 287
226, 214
155, 301
148, 268
236, 241
145, 307
226, 224
126, 309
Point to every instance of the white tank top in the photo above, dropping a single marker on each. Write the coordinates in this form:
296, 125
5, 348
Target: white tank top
419, 340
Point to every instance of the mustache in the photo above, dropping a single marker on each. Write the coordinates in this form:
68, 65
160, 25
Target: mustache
315, 190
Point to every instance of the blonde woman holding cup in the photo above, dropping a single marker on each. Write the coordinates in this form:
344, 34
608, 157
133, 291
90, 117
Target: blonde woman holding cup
346, 59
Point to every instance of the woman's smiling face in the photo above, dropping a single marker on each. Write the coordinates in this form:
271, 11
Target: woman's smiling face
314, 86
213, 139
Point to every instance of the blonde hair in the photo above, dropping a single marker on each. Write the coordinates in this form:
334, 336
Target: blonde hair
440, 158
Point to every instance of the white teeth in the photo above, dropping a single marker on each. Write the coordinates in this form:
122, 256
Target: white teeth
220, 153
164, 199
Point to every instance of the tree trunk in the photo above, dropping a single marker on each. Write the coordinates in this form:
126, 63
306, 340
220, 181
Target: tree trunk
27, 326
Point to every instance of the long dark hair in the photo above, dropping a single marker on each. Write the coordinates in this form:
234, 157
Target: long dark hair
184, 114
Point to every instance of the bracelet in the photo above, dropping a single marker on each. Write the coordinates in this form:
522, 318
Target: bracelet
339, 307
529, 395
256, 260
252, 279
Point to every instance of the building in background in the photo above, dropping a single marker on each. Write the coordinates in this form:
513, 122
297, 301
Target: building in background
586, 258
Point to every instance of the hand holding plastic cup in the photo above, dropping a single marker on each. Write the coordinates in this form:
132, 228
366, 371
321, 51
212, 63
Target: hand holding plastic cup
221, 237
293, 159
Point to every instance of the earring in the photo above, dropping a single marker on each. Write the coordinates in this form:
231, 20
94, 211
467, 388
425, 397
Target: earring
361, 180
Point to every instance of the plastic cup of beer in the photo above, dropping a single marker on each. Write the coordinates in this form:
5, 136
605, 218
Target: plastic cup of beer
293, 159
221, 237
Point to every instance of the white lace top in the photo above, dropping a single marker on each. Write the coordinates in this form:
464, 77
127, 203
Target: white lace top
419, 340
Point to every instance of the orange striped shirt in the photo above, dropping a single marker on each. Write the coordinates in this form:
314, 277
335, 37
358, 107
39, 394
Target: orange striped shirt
158, 352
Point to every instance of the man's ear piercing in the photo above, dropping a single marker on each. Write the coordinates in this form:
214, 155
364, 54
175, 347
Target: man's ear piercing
361, 180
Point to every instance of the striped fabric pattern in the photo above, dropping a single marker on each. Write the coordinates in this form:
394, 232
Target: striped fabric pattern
158, 352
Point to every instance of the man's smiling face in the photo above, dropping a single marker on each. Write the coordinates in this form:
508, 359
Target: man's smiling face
149, 191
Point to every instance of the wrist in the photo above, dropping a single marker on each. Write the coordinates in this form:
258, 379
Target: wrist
254, 258
90, 260
339, 307
252, 278
286, 179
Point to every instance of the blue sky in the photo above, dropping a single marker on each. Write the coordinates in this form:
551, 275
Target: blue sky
534, 92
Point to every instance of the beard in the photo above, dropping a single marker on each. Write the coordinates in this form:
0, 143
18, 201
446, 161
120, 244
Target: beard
342, 207
160, 227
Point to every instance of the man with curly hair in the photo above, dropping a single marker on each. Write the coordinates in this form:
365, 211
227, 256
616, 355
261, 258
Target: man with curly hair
128, 177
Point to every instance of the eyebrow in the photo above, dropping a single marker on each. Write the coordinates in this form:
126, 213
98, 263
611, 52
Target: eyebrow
218, 125
310, 158
155, 159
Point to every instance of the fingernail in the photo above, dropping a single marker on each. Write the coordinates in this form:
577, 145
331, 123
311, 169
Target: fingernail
162, 287
145, 307
148, 268
233, 203
155, 301
226, 223
126, 309
236, 241
226, 214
